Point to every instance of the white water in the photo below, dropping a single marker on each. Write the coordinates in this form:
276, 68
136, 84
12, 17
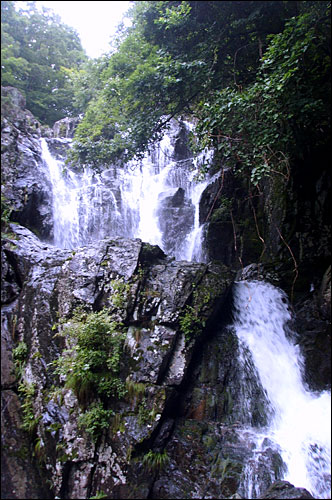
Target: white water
135, 201
301, 422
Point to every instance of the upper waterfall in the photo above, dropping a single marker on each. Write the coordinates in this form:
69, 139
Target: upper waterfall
156, 200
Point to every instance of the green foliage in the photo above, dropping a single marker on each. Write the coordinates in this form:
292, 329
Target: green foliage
120, 293
173, 54
95, 420
20, 354
99, 494
91, 364
135, 390
259, 129
154, 461
39, 450
191, 320
144, 414
223, 211
190, 323
254, 75
37, 53
6, 211
27, 392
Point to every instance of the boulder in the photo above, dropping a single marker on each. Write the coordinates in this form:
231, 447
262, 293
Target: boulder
284, 489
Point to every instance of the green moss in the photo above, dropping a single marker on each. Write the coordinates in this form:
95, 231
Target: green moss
222, 213
37, 355
228, 473
39, 450
54, 427
20, 355
190, 323
145, 414
21, 453
135, 390
20, 352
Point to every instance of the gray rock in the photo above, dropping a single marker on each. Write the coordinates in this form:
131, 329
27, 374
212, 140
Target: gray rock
284, 489
51, 283
65, 127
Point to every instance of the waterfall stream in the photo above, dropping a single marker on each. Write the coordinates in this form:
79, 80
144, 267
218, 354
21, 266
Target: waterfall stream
156, 200
300, 425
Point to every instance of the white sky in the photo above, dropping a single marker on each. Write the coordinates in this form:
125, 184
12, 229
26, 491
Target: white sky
94, 21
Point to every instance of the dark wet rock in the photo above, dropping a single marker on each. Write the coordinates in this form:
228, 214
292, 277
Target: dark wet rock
313, 324
59, 147
185, 384
14, 115
206, 460
284, 489
181, 148
176, 218
25, 185
20, 475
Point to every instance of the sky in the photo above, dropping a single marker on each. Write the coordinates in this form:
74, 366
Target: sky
94, 21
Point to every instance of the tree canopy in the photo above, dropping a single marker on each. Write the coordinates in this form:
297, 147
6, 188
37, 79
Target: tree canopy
255, 76
37, 53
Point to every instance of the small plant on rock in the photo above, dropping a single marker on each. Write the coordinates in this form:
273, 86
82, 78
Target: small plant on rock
155, 461
27, 392
20, 354
91, 364
95, 420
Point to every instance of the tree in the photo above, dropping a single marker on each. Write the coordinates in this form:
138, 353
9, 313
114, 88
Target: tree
37, 50
175, 56
286, 111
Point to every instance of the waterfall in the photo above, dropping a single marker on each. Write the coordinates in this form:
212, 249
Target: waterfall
156, 200
300, 420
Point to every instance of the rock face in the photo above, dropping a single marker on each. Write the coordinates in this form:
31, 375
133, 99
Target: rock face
148, 294
176, 216
24, 183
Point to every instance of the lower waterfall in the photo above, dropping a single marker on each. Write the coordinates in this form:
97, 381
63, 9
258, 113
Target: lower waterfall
300, 420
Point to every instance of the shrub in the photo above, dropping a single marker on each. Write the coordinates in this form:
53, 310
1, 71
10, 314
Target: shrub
91, 364
95, 420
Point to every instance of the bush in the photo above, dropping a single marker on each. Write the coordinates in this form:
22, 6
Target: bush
91, 364
95, 420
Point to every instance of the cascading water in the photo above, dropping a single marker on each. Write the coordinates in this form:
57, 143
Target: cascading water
300, 420
156, 201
